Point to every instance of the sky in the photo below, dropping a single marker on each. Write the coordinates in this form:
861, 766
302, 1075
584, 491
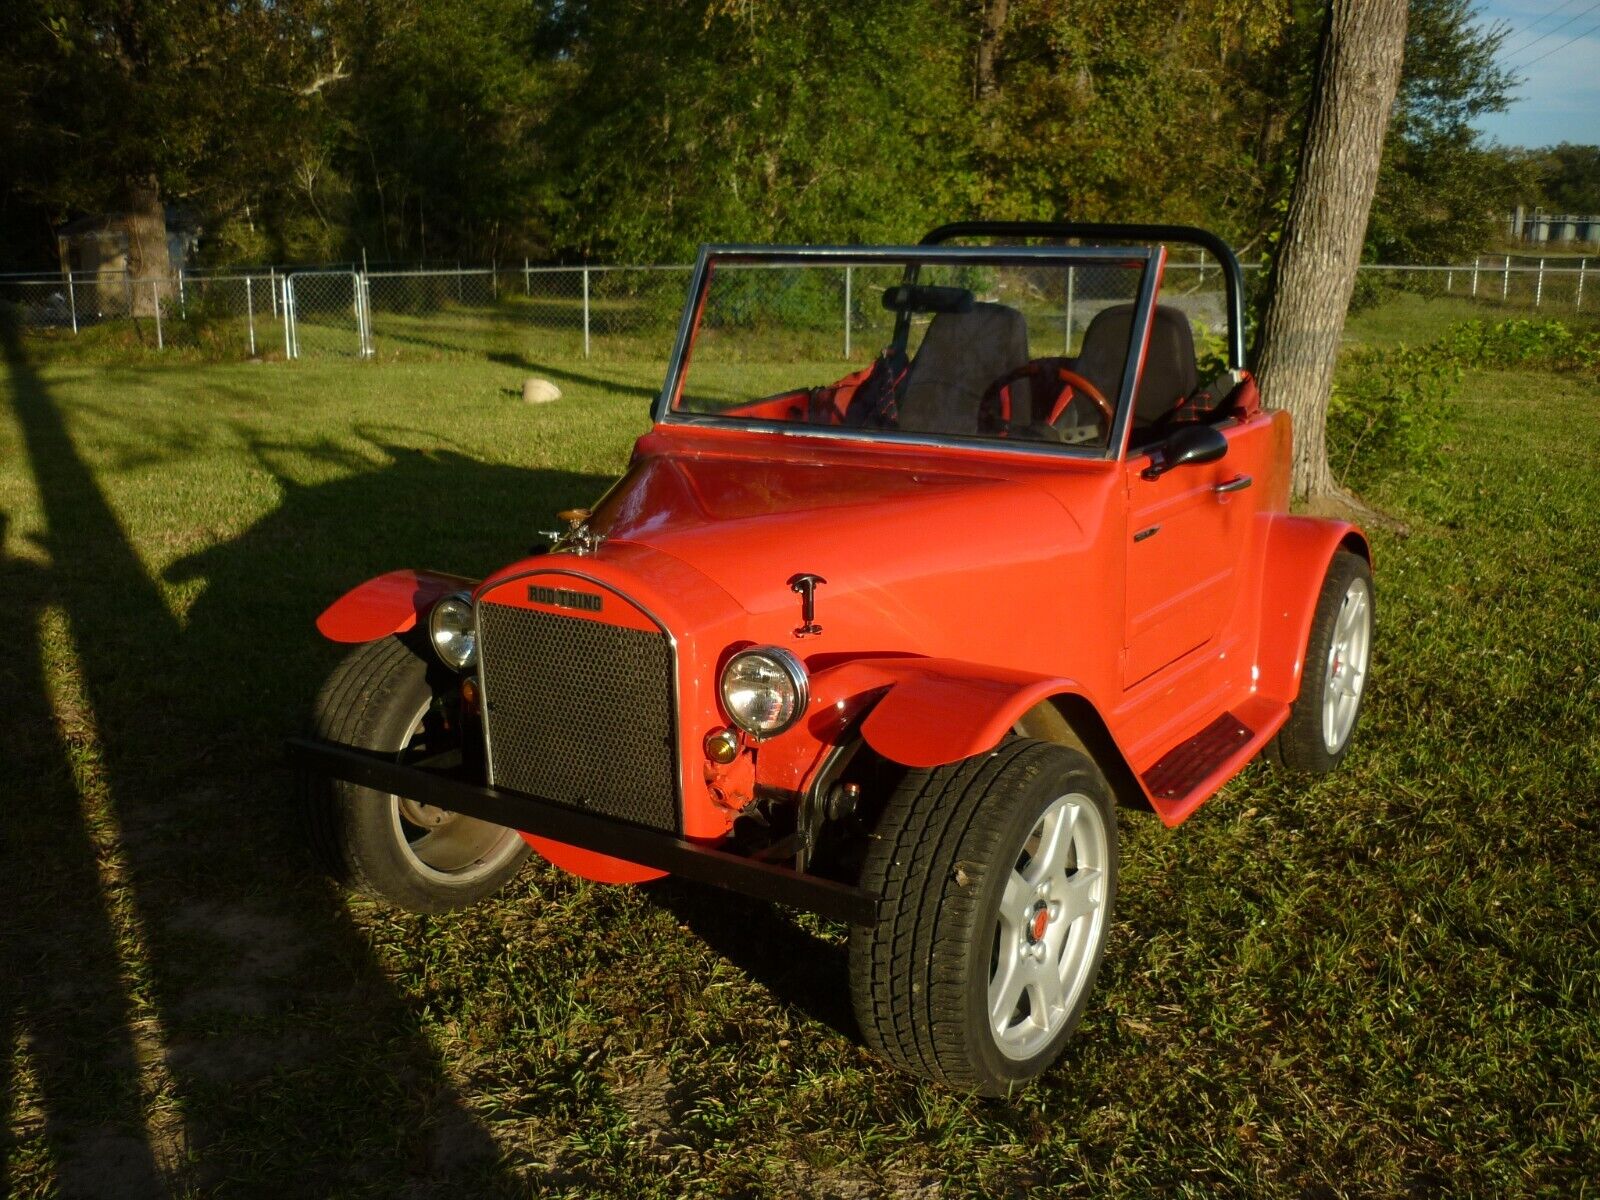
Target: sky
1554, 45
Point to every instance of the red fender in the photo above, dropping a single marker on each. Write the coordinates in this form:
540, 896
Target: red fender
1297, 555
386, 605
938, 710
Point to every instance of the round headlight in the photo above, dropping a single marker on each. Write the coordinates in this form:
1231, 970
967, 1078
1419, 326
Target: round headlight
453, 632
764, 690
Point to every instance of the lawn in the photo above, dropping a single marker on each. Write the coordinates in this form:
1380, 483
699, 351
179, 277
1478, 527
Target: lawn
1382, 983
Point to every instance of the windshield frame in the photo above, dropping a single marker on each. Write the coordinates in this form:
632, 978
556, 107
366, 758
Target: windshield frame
1152, 256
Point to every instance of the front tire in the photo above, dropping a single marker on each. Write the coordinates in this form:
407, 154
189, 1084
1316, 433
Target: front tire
420, 858
997, 877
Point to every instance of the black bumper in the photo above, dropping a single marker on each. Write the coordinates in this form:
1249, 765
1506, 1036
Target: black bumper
647, 847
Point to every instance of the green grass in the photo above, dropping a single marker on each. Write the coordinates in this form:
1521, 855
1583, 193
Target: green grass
1412, 319
1383, 983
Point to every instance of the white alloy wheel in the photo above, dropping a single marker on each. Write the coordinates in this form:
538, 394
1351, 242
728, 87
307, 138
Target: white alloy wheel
441, 845
1349, 654
1049, 928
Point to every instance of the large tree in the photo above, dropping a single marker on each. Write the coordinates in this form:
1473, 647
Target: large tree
1314, 270
127, 105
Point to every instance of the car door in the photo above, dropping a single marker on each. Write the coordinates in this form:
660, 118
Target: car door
1187, 531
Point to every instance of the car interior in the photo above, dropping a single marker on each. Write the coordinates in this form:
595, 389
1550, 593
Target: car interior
965, 354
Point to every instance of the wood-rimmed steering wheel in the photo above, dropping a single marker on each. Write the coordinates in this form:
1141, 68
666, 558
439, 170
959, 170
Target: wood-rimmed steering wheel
995, 408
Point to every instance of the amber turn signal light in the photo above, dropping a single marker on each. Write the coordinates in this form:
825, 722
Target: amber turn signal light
722, 746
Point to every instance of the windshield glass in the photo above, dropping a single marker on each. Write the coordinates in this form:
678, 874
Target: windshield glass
1032, 350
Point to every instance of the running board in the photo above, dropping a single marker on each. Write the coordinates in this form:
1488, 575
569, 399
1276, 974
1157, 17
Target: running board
1191, 772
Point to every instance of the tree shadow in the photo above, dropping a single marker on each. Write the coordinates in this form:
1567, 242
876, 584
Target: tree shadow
63, 1003
173, 934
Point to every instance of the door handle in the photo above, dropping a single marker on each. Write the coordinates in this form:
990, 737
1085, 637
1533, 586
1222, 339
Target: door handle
1237, 484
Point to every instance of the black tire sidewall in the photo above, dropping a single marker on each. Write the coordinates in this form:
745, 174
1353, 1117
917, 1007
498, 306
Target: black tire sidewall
393, 684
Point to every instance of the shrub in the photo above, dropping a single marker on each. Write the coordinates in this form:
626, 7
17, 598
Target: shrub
1388, 405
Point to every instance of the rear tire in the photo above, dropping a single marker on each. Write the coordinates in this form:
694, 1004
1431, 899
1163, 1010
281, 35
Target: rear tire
1333, 683
954, 983
419, 858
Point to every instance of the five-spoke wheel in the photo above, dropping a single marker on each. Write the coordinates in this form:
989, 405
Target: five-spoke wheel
997, 876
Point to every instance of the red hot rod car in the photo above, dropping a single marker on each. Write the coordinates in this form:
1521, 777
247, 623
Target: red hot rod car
886, 631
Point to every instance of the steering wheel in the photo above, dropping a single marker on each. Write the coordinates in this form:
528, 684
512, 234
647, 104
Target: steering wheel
994, 410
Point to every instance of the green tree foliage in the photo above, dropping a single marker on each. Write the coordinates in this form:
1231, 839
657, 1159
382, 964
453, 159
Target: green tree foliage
1104, 110
122, 105
759, 120
1564, 178
476, 129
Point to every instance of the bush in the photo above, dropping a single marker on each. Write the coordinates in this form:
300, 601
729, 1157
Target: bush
1388, 405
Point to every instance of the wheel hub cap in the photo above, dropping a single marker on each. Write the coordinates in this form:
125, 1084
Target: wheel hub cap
1039, 923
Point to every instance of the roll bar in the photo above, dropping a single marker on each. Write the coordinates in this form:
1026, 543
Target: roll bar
1189, 235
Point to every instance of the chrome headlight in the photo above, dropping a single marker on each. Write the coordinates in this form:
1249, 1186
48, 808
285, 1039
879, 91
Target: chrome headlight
453, 631
764, 690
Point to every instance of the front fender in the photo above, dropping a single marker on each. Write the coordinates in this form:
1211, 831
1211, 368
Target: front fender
926, 712
1298, 552
387, 605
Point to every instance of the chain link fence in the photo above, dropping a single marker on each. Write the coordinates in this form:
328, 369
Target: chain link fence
538, 314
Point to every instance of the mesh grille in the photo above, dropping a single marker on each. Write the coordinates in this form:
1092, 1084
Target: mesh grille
580, 713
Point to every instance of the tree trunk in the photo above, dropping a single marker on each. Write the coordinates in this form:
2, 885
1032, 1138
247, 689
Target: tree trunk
994, 24
1315, 270
149, 264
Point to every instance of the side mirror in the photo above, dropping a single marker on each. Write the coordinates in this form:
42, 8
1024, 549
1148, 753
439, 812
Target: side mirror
1187, 446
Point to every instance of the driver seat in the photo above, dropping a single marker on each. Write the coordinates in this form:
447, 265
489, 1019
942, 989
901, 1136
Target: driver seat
960, 355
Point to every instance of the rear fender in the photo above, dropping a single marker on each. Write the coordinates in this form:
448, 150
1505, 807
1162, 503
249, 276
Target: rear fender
389, 604
1298, 552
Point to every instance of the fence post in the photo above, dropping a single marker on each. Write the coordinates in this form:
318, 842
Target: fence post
1538, 287
288, 322
1449, 281
527, 279
72, 304
155, 295
250, 314
1474, 277
494, 280
127, 292
272, 288
183, 301
586, 312
1202, 268
1583, 265
1066, 336
355, 311
1505, 281
847, 282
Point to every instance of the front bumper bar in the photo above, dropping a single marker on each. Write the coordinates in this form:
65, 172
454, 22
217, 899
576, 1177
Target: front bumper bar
530, 814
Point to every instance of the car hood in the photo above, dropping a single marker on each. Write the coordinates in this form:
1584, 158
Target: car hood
888, 536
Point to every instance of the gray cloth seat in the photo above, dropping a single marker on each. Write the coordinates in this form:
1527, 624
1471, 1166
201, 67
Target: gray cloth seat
1169, 373
960, 356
